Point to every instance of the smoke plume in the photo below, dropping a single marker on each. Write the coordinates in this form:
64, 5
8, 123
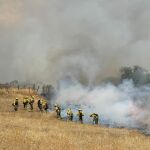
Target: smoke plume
89, 40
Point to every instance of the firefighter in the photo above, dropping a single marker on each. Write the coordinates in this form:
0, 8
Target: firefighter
16, 104
80, 115
95, 118
39, 103
31, 102
69, 114
25, 102
45, 105
58, 110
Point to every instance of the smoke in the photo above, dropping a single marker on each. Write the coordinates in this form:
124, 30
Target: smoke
124, 105
45, 40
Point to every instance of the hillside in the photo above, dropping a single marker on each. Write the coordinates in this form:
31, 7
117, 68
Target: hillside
40, 131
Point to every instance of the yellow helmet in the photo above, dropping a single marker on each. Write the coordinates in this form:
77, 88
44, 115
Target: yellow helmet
56, 105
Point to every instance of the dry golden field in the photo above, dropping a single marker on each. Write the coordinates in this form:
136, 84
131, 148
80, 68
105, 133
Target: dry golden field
25, 130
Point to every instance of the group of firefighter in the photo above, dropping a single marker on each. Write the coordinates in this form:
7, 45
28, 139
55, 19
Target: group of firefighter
28, 103
80, 114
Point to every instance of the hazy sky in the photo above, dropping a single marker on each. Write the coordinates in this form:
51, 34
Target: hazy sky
46, 40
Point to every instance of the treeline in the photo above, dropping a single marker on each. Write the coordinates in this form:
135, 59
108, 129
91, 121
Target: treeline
46, 90
139, 75
21, 85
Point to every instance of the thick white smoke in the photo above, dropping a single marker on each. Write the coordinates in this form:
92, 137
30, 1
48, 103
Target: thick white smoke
122, 105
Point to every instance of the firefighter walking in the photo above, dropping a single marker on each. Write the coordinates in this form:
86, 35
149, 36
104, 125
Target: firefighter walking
31, 102
95, 118
80, 115
39, 103
25, 102
15, 104
58, 110
45, 105
69, 115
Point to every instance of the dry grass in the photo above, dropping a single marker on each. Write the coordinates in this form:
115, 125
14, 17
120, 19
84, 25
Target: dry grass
40, 131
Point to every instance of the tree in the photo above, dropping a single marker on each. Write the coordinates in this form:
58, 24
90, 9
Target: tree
126, 73
139, 75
